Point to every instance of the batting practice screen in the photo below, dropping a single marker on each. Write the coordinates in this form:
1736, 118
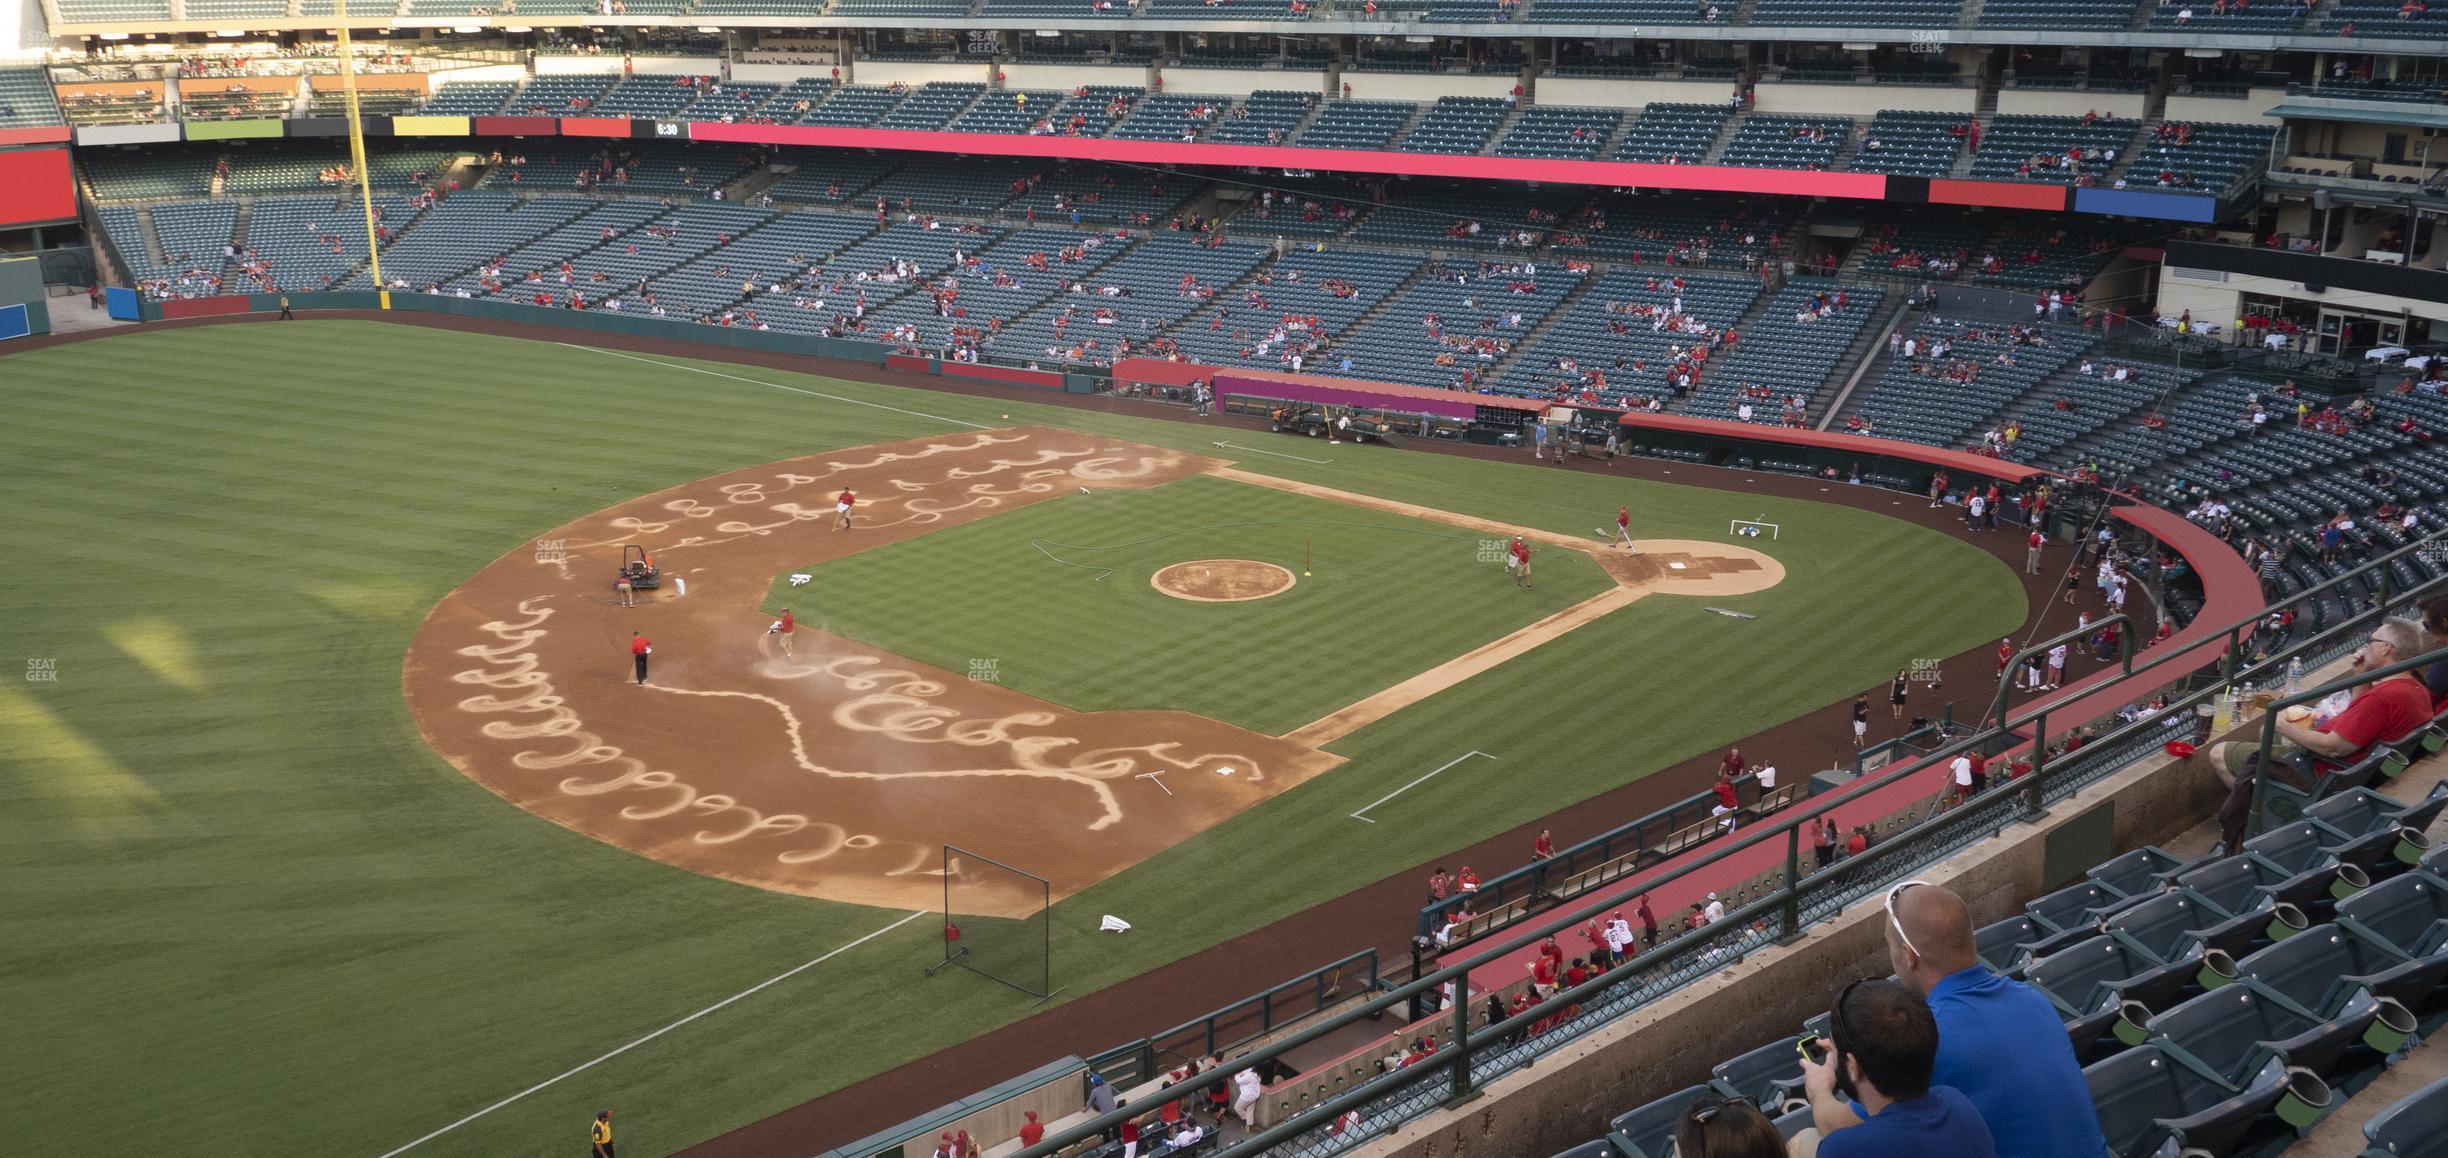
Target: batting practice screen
1017, 951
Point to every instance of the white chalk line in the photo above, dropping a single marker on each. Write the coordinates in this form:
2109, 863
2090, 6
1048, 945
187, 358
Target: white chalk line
1276, 453
582, 1068
775, 385
1412, 785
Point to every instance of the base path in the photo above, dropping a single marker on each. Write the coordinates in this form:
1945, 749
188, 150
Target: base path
831, 769
1652, 566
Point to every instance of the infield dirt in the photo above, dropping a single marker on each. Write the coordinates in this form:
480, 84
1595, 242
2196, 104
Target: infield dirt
835, 770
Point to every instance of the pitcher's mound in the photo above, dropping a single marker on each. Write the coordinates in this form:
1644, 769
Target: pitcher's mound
1222, 580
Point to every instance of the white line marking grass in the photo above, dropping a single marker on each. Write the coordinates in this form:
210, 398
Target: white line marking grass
775, 385
583, 1067
1276, 453
1410, 786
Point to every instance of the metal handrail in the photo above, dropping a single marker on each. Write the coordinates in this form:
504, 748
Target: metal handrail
1785, 903
1145, 1050
1997, 706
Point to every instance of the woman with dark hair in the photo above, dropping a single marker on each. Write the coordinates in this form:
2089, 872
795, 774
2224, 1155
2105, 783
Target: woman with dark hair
1726, 1128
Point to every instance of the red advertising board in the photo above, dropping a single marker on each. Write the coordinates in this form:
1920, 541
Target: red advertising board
36, 186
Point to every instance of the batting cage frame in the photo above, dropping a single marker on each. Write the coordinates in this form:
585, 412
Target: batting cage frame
1016, 952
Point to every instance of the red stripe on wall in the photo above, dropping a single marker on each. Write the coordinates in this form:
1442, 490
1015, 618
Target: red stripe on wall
517, 127
205, 307
1011, 374
910, 362
40, 135
2003, 194
594, 127
1710, 178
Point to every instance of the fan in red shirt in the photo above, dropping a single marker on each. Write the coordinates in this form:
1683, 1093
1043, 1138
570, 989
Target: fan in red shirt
841, 506
2005, 655
1543, 848
1543, 975
2381, 712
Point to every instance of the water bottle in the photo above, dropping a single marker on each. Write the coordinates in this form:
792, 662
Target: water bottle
2294, 675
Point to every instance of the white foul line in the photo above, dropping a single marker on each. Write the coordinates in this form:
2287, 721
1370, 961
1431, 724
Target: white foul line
777, 978
1396, 792
775, 385
1276, 453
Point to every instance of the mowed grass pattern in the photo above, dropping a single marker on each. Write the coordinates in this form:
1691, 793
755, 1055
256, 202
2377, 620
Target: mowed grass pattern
248, 911
1386, 598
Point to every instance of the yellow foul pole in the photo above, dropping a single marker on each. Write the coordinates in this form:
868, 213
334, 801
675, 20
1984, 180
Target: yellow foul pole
357, 160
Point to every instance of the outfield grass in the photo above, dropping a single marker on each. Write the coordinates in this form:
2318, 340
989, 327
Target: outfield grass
1386, 598
249, 912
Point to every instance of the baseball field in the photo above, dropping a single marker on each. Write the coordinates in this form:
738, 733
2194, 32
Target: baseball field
333, 820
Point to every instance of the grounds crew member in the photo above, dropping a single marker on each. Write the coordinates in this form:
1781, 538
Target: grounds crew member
285, 315
599, 1136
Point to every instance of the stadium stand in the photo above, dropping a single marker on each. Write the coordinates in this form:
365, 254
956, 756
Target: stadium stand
305, 243
134, 175
931, 106
113, 11
1675, 232
26, 100
1454, 327
467, 230
2382, 18
2267, 17
1959, 375
1787, 142
854, 106
197, 103
140, 107
1169, 117
1347, 124
1265, 117
560, 96
2034, 148
1456, 125
1673, 133
1787, 353
469, 98
1910, 144
1871, 14
1629, 12
1299, 304
2210, 157
1560, 132
1617, 343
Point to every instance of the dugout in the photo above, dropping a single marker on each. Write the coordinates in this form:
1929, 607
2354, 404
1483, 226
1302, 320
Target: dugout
1420, 411
1875, 461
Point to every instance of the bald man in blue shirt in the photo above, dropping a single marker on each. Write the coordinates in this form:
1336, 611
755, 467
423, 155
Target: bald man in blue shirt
1999, 1040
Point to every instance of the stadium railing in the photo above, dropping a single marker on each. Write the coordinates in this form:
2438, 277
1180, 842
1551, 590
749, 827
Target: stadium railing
1240, 1023
1477, 1053
1609, 856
